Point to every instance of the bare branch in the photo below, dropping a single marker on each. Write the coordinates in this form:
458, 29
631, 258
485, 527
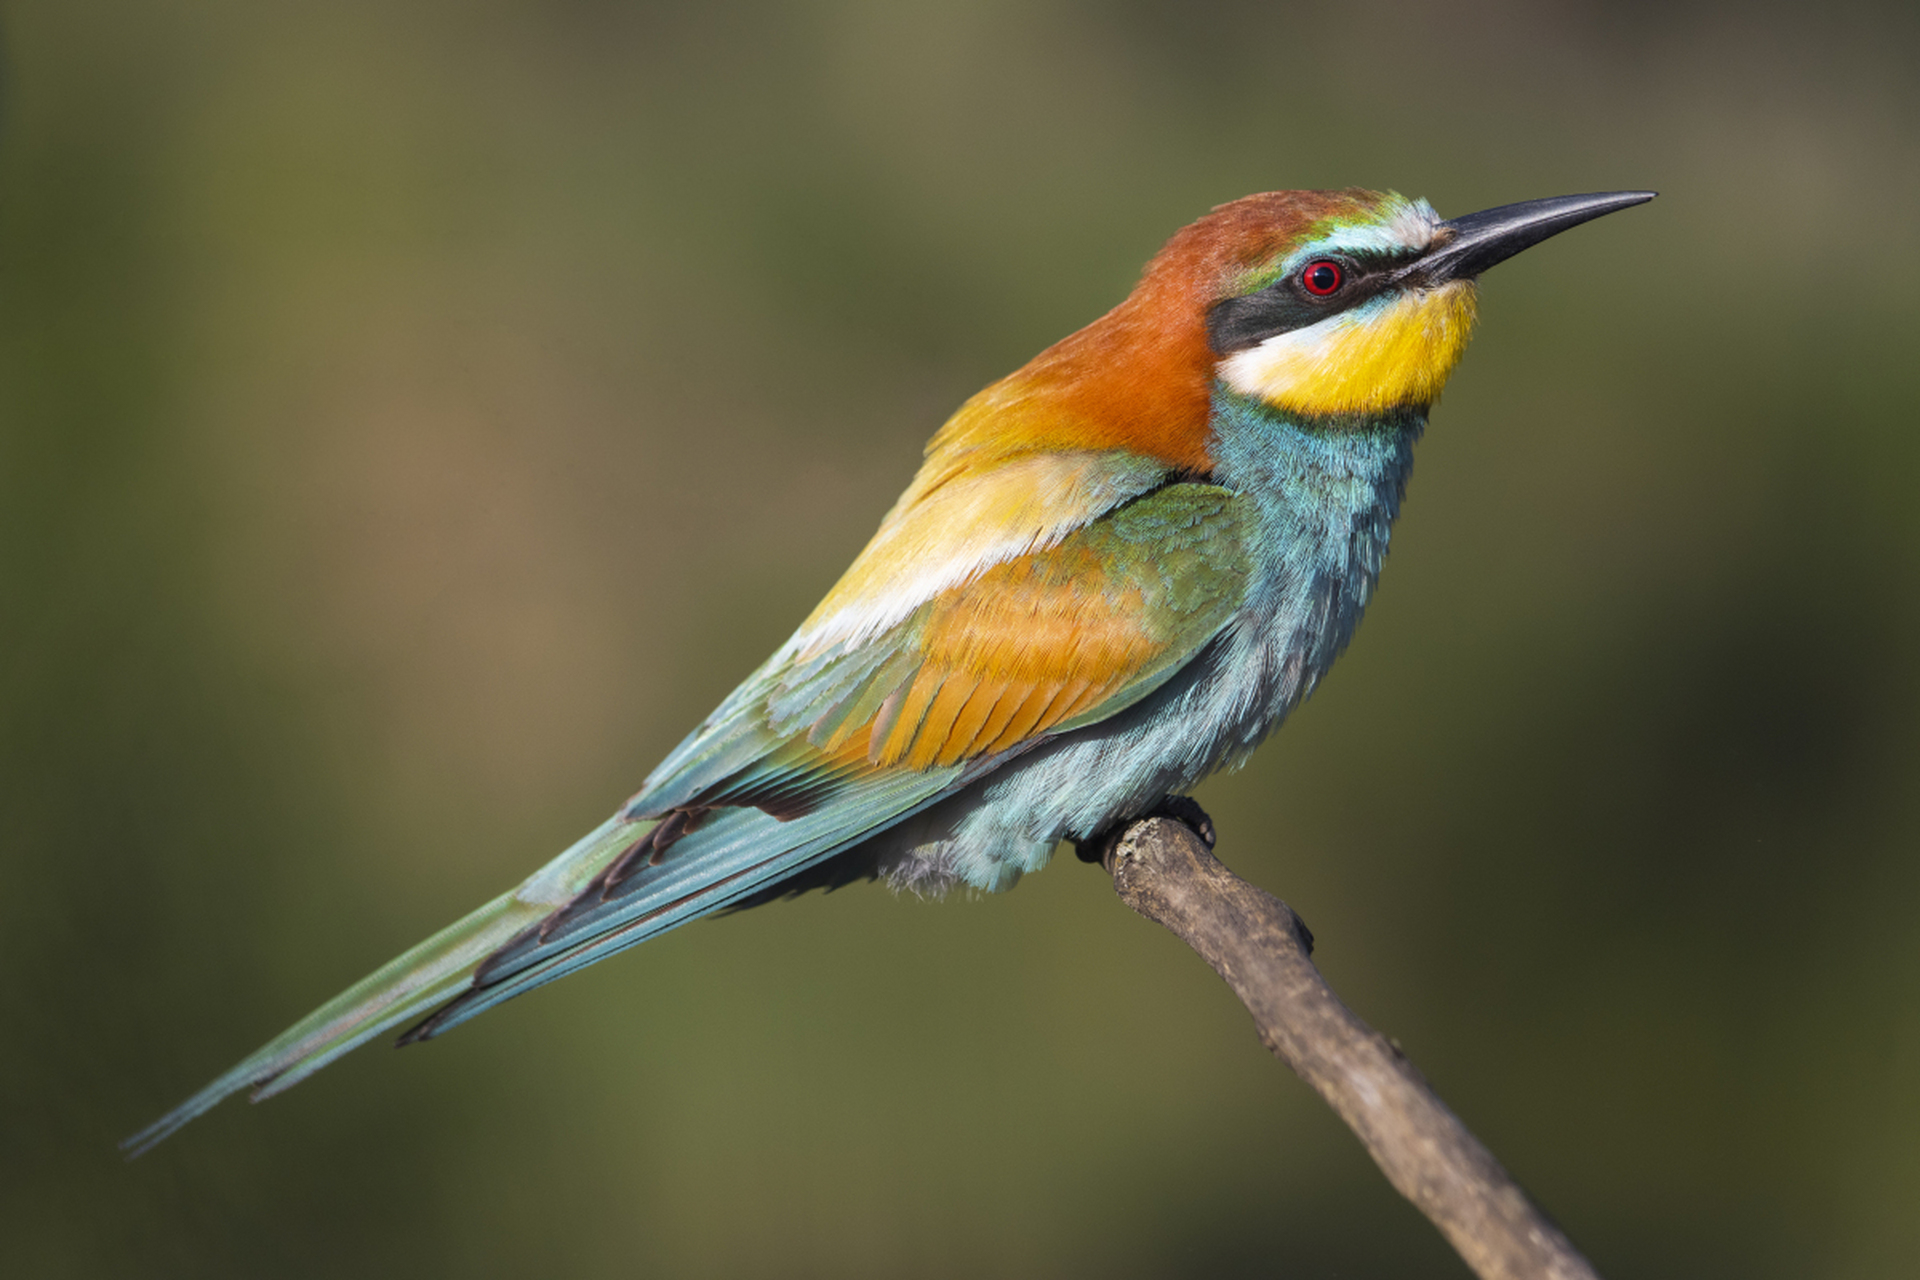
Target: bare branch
1165, 871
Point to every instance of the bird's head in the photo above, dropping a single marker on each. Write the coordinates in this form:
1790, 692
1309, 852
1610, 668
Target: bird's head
1352, 303
1335, 306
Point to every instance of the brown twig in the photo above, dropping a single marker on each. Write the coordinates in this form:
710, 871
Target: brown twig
1166, 872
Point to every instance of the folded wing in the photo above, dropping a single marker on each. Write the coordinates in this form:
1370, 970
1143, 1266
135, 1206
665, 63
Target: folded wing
886, 702
837, 744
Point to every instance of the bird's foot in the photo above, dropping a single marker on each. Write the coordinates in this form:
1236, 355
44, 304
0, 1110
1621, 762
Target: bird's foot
1183, 809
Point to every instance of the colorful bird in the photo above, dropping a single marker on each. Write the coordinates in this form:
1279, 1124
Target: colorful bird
1117, 570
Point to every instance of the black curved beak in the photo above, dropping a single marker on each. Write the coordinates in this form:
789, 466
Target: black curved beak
1468, 245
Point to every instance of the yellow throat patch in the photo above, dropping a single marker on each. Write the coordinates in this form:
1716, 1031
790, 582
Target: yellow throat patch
1377, 357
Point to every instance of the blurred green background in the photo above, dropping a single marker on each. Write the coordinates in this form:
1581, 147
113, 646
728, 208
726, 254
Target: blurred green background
414, 417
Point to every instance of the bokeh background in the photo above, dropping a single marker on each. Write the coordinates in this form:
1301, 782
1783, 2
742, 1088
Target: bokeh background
415, 416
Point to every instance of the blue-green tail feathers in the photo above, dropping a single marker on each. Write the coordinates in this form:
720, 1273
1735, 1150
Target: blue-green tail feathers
405, 990
563, 919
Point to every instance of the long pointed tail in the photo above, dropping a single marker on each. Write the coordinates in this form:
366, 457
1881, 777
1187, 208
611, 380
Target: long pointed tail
406, 989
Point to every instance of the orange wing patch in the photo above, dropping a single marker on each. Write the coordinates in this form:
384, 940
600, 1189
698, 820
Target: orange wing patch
1026, 645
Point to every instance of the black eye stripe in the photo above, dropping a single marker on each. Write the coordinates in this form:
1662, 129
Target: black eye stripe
1235, 324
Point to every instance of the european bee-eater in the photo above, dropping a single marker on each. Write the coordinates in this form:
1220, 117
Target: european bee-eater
1117, 570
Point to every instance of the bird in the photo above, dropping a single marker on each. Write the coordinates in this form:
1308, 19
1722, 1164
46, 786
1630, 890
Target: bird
1116, 571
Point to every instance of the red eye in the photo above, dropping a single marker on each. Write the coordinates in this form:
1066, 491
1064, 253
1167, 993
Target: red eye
1322, 278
